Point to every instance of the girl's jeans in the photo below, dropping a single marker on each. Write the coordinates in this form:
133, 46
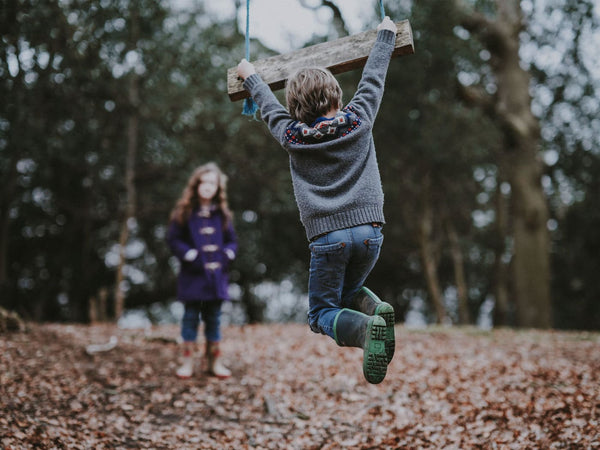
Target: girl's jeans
340, 262
210, 311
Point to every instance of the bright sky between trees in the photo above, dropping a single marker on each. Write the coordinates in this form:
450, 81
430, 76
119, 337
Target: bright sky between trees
284, 25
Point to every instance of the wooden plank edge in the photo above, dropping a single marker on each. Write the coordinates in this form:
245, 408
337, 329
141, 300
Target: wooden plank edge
408, 49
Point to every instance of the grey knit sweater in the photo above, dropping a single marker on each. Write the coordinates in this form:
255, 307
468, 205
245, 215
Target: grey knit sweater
333, 163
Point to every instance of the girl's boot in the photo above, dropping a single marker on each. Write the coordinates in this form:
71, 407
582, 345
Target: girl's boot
356, 329
367, 302
186, 369
214, 365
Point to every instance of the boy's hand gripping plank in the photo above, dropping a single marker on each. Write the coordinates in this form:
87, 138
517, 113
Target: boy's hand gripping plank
342, 55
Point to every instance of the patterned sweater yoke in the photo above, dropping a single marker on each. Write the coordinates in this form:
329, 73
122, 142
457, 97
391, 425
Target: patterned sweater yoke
333, 163
324, 129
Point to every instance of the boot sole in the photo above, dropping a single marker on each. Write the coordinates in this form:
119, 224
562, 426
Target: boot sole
386, 311
375, 358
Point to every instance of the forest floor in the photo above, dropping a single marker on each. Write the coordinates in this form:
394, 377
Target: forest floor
447, 388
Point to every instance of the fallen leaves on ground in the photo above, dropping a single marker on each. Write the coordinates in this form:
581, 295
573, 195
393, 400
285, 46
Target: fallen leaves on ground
291, 389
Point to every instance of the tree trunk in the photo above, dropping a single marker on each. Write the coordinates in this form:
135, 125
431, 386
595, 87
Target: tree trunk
254, 307
429, 256
503, 307
132, 145
17, 117
97, 306
531, 263
128, 222
8, 189
459, 274
512, 108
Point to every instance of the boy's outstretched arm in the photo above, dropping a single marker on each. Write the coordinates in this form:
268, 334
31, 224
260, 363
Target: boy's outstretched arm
272, 112
370, 89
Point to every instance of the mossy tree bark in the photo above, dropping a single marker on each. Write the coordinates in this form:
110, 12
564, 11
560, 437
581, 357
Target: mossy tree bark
511, 107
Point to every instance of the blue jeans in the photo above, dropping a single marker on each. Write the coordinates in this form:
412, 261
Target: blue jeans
340, 262
210, 311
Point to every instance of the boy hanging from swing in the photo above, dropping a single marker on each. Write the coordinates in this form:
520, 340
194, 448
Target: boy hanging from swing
339, 195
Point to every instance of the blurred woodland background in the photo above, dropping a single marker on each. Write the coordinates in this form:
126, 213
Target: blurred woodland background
487, 140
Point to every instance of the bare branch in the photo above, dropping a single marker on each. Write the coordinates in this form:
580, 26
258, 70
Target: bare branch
338, 20
477, 96
492, 35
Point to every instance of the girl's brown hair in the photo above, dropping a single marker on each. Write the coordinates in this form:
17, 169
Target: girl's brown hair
311, 93
189, 198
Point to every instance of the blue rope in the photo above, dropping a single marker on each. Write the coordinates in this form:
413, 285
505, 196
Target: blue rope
248, 30
382, 9
250, 106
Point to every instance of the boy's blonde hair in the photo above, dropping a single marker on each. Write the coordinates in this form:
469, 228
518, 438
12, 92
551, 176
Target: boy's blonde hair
311, 93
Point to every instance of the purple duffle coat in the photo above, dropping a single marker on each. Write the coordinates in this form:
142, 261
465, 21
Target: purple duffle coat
205, 278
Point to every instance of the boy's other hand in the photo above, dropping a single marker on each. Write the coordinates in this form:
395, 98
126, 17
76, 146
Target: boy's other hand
387, 24
245, 69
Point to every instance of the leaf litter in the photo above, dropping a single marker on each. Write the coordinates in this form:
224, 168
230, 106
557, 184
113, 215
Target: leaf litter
101, 387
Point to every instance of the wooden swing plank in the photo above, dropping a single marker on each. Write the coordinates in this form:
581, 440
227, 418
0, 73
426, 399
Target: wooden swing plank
342, 55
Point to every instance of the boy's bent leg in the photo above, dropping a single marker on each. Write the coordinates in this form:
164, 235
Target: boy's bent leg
329, 256
367, 242
355, 329
366, 245
322, 320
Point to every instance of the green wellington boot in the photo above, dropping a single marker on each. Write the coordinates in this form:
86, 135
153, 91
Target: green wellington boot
355, 329
367, 302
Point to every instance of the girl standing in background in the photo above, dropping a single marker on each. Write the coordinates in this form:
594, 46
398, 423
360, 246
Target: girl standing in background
202, 237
